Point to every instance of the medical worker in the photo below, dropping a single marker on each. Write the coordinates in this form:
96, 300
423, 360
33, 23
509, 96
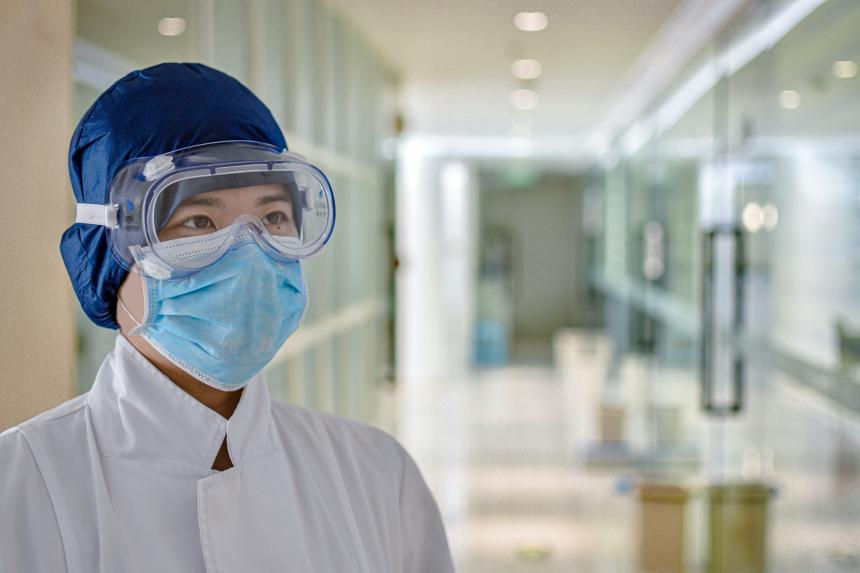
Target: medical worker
192, 222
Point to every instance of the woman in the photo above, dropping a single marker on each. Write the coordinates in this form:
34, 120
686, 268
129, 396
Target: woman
192, 222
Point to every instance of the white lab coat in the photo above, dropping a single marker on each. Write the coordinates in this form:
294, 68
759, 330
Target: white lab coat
119, 480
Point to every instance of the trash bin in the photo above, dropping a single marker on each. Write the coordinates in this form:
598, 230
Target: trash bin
662, 508
611, 423
738, 527
668, 422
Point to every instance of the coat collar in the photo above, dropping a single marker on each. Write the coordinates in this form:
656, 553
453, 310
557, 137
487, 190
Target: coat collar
140, 414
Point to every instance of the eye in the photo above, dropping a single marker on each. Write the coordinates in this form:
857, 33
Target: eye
276, 218
198, 222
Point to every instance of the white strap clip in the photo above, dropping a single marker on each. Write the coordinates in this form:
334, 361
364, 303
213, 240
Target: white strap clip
157, 166
95, 214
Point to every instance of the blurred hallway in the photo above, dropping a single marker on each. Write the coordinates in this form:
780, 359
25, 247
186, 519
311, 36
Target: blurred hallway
596, 265
495, 449
500, 449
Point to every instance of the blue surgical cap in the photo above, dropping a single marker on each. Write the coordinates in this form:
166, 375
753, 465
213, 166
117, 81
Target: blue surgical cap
148, 112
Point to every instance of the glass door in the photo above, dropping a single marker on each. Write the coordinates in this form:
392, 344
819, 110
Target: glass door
739, 290
780, 299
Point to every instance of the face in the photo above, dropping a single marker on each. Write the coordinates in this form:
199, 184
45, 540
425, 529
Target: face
212, 211
200, 215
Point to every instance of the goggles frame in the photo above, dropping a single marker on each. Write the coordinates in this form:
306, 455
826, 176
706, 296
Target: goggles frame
130, 216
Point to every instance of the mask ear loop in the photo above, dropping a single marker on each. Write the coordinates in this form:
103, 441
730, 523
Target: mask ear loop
305, 289
138, 328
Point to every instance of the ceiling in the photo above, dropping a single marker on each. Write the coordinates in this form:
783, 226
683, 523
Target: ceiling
454, 59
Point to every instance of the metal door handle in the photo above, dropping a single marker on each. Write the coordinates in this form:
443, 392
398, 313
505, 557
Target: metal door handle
706, 340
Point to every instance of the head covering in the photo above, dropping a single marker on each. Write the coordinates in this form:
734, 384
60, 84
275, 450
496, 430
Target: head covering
148, 112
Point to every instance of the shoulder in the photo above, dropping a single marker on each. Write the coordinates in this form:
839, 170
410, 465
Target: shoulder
52, 425
33, 447
340, 429
61, 417
361, 441
28, 513
379, 470
15, 453
19, 470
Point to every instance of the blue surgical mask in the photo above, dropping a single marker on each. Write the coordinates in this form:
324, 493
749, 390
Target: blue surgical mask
224, 323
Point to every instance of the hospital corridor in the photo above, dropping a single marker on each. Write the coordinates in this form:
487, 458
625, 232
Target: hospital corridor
429, 286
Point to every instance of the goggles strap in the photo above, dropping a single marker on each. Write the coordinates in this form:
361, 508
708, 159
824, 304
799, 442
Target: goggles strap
97, 214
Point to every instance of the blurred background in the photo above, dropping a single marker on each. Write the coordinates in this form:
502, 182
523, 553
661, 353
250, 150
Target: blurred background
596, 264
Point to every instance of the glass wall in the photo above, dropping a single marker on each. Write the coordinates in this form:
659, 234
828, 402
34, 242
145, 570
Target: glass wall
730, 257
328, 90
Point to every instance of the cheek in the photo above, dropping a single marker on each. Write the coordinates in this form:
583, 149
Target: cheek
131, 292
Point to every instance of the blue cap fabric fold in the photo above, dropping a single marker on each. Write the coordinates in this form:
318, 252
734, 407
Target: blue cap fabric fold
148, 112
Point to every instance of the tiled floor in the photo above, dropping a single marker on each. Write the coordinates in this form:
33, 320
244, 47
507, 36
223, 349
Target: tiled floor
499, 449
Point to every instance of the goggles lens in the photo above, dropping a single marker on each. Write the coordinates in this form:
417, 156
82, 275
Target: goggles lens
195, 207
205, 201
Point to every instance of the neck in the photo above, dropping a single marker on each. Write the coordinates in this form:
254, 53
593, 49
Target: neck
221, 401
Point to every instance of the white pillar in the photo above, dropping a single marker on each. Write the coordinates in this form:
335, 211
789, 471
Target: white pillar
437, 237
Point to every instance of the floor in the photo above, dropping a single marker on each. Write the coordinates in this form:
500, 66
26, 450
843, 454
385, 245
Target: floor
514, 459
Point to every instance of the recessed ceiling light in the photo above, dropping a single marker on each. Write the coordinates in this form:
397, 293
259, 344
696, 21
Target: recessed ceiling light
521, 146
531, 21
521, 131
844, 69
789, 99
524, 99
523, 119
526, 69
171, 26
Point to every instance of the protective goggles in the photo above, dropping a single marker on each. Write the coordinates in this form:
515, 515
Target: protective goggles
176, 213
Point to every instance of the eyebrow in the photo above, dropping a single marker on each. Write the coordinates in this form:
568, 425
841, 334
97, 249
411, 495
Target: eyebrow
266, 199
219, 203
207, 201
